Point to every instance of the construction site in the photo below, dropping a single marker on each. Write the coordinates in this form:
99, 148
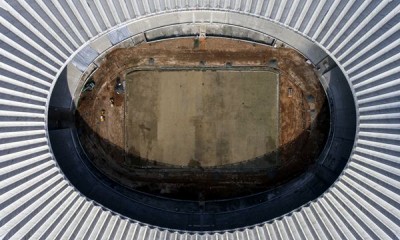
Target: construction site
199, 120
203, 118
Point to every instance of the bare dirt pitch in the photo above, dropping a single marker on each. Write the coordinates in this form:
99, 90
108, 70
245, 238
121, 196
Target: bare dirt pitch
303, 124
202, 118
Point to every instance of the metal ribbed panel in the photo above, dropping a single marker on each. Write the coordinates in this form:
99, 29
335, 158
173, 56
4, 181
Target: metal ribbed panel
36, 200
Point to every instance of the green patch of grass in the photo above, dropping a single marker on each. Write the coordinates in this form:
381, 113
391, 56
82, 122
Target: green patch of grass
196, 43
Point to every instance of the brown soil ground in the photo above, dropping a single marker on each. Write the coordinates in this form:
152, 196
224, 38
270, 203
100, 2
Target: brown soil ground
303, 119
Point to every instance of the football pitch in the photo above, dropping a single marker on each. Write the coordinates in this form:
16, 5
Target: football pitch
203, 117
